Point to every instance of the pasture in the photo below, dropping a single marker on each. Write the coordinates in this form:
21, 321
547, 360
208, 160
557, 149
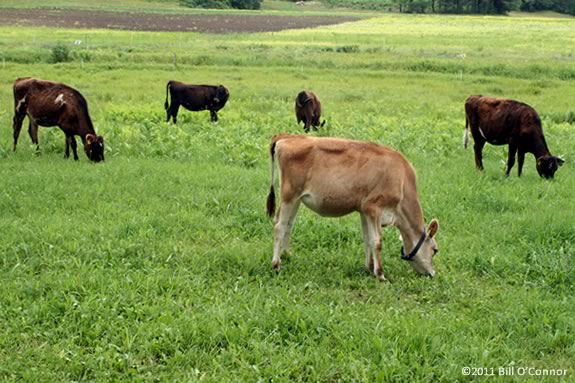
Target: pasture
156, 265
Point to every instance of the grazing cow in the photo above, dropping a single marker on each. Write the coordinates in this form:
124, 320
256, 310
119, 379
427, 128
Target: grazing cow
508, 122
195, 98
308, 110
48, 103
335, 177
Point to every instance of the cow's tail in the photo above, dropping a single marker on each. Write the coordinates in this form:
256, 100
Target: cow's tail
167, 91
302, 99
271, 203
466, 133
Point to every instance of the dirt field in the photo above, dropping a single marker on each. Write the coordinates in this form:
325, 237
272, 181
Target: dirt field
160, 22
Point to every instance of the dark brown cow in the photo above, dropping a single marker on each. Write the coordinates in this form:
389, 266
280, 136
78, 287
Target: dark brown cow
195, 98
308, 110
48, 103
508, 122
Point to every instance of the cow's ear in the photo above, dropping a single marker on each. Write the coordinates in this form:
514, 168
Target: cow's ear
432, 228
90, 138
560, 161
540, 162
100, 139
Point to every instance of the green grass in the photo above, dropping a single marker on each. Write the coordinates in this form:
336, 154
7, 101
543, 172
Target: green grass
156, 265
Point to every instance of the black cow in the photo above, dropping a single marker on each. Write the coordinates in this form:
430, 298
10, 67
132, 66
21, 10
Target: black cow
48, 103
507, 122
195, 98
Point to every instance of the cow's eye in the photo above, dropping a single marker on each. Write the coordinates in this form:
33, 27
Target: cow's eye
435, 252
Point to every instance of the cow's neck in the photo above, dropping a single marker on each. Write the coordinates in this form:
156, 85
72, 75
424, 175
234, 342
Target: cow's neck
85, 127
410, 224
540, 147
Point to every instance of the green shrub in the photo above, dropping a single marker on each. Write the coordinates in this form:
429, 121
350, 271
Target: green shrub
222, 4
60, 53
219, 4
347, 49
246, 4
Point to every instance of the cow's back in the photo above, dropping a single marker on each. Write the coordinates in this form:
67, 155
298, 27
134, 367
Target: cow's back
193, 97
316, 106
53, 103
48, 97
503, 117
343, 172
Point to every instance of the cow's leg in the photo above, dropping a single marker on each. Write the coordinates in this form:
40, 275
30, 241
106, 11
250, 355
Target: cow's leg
478, 148
17, 126
284, 221
511, 157
308, 120
33, 132
315, 122
168, 113
520, 159
72, 140
366, 247
173, 111
67, 150
289, 227
374, 232
214, 116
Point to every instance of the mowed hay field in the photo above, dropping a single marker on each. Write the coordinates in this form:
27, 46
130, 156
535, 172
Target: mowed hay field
156, 265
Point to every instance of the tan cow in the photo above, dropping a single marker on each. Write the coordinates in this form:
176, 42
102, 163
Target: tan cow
335, 177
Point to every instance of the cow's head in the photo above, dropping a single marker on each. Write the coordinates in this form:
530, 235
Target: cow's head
94, 147
221, 96
422, 261
548, 165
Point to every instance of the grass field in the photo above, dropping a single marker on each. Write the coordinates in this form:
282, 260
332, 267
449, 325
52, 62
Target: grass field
156, 265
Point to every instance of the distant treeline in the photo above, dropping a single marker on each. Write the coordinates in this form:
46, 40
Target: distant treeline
459, 6
484, 6
415, 6
563, 6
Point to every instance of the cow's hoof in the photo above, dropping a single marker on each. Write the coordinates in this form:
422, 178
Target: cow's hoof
276, 266
381, 277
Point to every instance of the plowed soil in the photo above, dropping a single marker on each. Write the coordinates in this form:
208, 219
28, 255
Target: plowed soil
222, 23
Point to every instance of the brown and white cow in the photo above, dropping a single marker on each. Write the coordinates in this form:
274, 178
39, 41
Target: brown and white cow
335, 177
500, 121
194, 98
48, 103
308, 110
